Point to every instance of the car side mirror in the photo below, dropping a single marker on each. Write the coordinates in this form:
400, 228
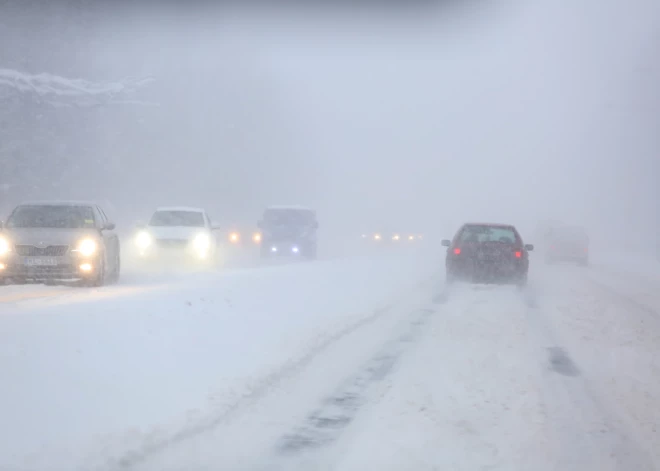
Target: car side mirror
446, 243
109, 226
529, 247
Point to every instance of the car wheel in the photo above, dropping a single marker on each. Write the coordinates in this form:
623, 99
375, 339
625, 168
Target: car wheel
311, 253
117, 268
100, 279
584, 263
522, 281
450, 278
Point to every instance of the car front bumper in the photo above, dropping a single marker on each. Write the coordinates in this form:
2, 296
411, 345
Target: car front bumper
64, 268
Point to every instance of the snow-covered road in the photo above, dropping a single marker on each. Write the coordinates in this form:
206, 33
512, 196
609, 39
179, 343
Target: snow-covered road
346, 364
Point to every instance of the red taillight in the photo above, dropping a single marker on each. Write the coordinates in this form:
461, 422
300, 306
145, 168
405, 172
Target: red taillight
518, 254
457, 251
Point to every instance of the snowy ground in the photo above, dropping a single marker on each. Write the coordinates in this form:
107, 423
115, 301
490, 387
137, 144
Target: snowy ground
345, 364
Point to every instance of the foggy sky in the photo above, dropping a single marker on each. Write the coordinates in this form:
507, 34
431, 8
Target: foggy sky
535, 110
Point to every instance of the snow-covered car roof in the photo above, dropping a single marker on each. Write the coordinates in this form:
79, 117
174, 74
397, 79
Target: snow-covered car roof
59, 203
181, 208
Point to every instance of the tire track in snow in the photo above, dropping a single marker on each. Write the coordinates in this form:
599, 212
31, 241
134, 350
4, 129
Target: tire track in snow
325, 425
590, 434
153, 446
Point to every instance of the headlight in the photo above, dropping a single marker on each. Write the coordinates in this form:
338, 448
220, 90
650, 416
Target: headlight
143, 240
87, 247
256, 238
377, 237
234, 237
4, 246
202, 242
396, 237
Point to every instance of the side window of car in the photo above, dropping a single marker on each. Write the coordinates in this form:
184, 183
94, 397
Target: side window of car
105, 216
99, 216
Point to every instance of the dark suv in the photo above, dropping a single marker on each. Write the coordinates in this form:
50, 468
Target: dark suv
487, 253
288, 231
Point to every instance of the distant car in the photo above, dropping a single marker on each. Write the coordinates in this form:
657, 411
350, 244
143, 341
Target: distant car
487, 253
567, 244
288, 231
59, 241
386, 238
243, 237
178, 234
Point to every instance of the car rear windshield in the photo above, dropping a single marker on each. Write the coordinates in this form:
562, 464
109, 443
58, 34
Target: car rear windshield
52, 217
288, 217
570, 234
485, 233
177, 218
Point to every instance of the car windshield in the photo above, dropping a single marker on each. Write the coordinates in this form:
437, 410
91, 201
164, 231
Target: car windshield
177, 218
278, 217
52, 217
484, 233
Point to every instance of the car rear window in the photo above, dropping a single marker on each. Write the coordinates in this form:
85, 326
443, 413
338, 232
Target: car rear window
485, 233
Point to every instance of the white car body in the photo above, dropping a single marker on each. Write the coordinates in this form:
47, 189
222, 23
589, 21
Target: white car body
159, 240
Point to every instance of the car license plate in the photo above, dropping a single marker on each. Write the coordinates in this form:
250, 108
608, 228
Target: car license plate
41, 262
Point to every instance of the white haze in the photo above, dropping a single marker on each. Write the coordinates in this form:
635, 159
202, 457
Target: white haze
521, 112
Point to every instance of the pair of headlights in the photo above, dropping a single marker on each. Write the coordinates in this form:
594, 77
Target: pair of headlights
201, 242
86, 247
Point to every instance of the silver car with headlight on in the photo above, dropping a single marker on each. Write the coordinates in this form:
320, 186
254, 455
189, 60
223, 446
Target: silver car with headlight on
178, 234
59, 241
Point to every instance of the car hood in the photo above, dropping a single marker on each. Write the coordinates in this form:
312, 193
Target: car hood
175, 232
42, 237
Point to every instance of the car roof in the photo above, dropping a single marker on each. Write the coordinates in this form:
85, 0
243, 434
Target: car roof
290, 207
490, 224
58, 203
181, 208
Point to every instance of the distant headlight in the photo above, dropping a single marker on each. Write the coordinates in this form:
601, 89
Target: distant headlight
256, 238
143, 240
4, 246
377, 237
87, 247
396, 237
234, 237
202, 242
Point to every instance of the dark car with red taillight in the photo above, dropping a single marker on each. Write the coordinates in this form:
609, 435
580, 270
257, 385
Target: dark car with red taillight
487, 253
567, 244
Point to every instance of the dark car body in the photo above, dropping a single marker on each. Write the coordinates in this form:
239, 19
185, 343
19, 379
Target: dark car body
288, 231
59, 241
487, 253
567, 244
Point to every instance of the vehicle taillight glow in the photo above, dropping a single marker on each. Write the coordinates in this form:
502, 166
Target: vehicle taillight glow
518, 254
457, 251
